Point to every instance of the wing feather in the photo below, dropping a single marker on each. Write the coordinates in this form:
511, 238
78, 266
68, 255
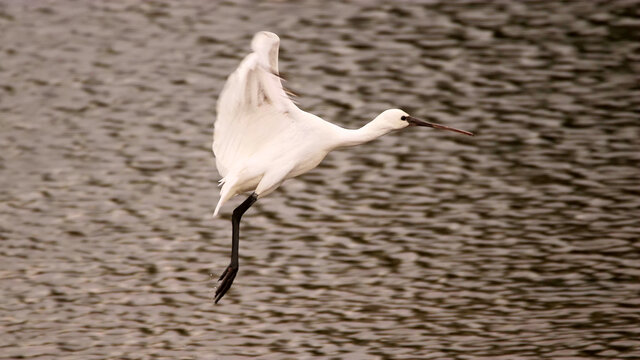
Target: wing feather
252, 107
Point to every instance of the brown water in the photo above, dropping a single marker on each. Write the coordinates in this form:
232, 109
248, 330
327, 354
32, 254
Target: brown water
520, 243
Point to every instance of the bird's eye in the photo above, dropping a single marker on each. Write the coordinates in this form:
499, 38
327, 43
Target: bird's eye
403, 117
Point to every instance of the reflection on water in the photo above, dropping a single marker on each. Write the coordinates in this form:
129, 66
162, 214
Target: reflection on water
518, 243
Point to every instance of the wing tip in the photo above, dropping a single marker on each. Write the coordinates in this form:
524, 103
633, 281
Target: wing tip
264, 40
265, 45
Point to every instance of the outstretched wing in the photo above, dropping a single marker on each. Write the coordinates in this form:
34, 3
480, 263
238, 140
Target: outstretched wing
252, 107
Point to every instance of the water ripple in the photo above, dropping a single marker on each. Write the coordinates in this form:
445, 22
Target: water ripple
519, 243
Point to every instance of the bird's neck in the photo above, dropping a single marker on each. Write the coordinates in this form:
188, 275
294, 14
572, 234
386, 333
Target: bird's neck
370, 131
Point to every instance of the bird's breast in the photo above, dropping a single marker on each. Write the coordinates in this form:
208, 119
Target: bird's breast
309, 163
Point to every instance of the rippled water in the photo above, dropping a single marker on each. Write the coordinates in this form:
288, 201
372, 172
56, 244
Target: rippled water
520, 243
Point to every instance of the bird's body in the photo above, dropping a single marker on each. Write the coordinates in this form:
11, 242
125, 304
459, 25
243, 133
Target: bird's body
261, 138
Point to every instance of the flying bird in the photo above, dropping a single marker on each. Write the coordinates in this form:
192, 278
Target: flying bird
261, 138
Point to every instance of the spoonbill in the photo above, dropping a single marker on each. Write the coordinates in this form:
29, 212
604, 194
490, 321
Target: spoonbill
261, 138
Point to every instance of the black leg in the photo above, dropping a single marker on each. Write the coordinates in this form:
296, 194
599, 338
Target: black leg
230, 272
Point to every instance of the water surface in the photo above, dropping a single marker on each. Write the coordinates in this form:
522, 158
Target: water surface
520, 243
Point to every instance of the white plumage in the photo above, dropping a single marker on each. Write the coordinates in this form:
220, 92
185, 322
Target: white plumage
257, 125
261, 138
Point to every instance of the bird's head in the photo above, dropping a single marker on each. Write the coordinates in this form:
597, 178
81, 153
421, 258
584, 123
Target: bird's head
397, 119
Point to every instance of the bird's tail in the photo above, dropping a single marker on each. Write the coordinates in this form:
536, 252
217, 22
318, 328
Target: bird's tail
225, 194
215, 212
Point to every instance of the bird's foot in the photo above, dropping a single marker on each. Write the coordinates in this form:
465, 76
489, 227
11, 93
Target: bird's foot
226, 279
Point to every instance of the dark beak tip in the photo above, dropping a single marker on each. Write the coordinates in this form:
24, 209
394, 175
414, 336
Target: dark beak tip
418, 122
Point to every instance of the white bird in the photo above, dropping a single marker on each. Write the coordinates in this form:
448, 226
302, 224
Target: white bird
261, 138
